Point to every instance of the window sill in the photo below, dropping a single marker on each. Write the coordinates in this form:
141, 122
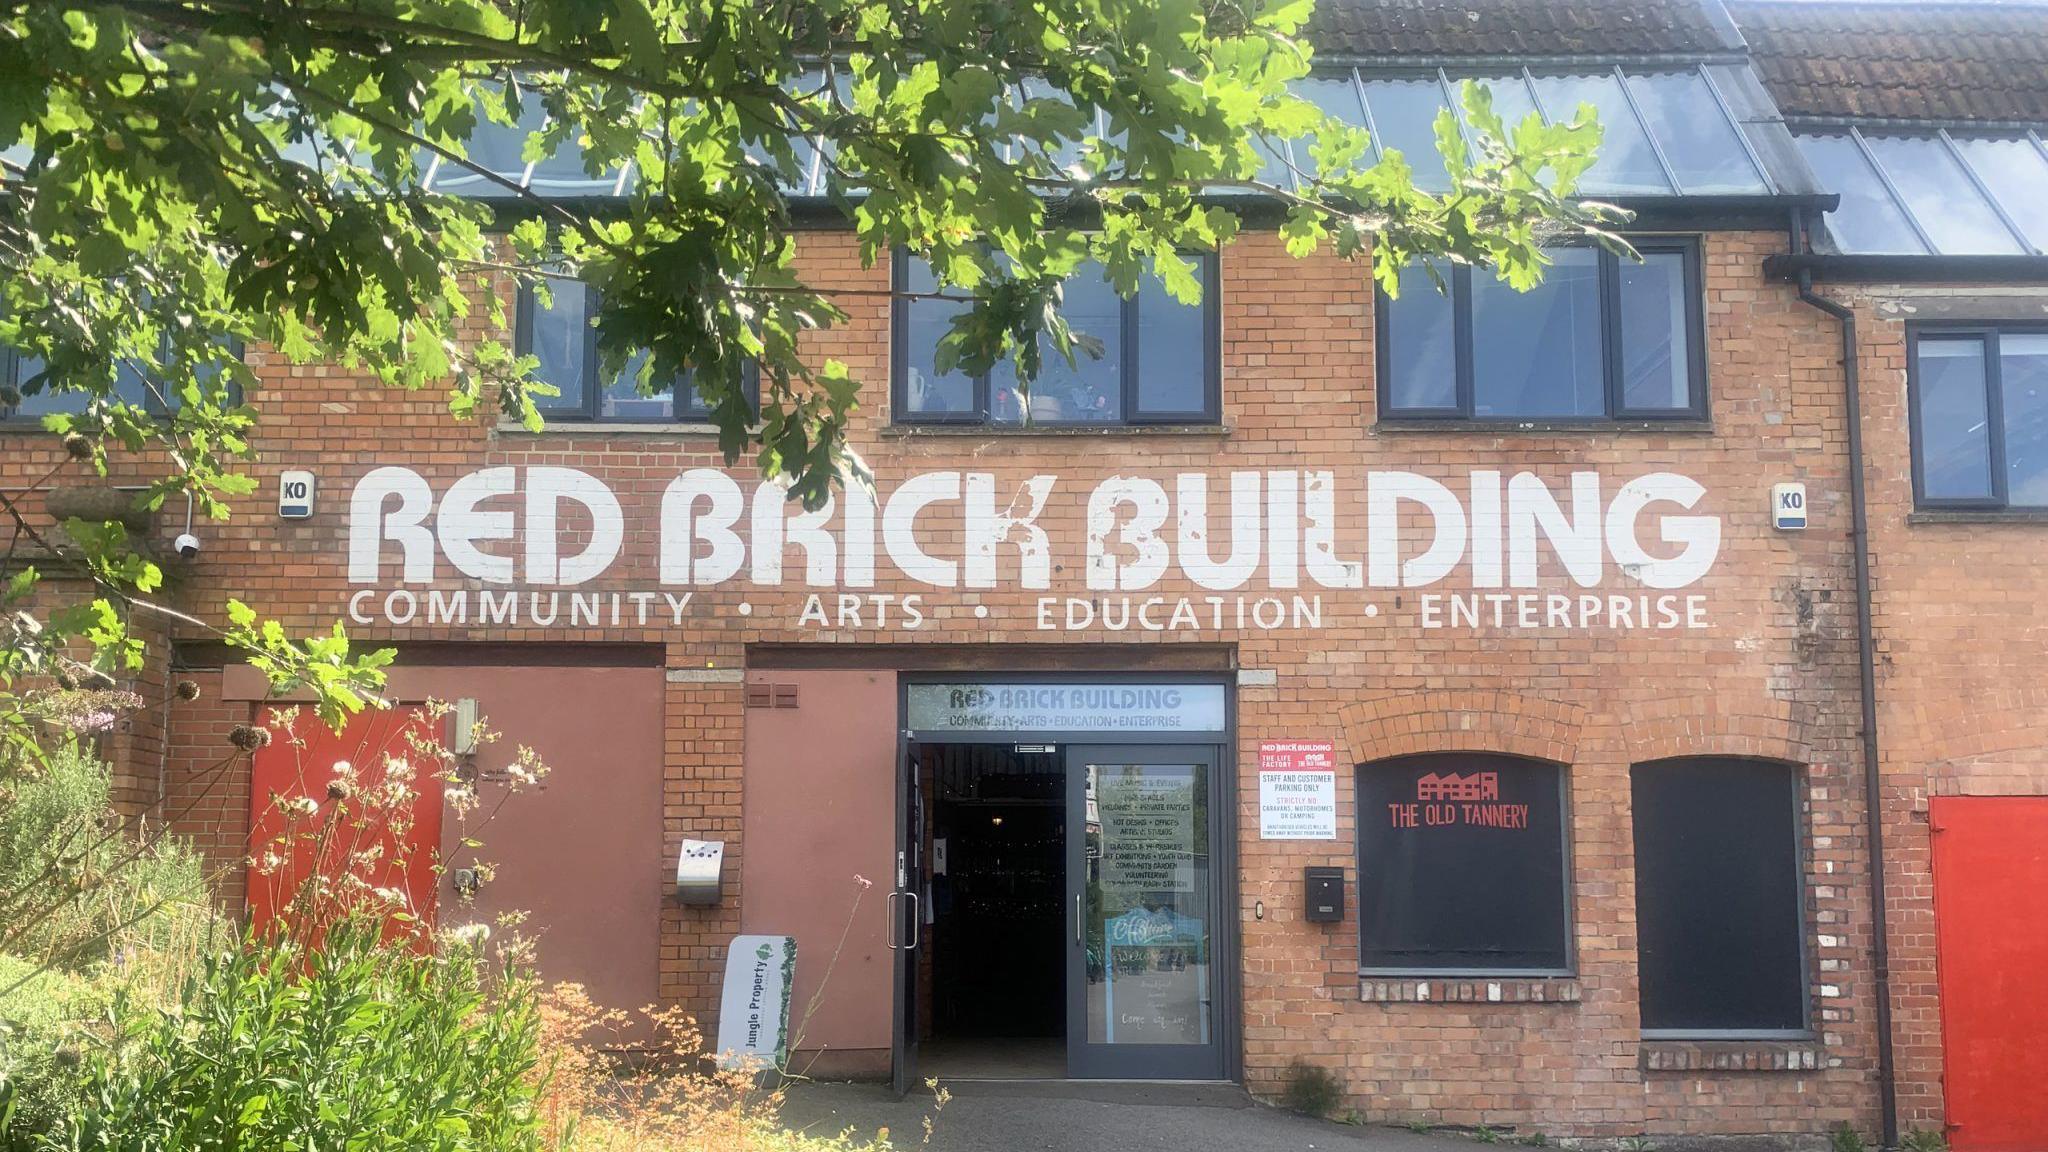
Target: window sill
1730, 1056
609, 428
1546, 427
1004, 432
1978, 516
1383, 989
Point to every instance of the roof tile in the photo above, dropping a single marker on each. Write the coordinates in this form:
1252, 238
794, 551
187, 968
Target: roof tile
1445, 28
1949, 61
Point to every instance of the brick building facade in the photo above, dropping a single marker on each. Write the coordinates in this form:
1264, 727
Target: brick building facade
1615, 597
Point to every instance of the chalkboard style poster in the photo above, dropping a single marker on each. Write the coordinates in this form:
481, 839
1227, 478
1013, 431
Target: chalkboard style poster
1155, 990
1461, 864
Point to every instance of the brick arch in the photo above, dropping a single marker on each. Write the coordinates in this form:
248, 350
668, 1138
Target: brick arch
1990, 725
1718, 723
1468, 720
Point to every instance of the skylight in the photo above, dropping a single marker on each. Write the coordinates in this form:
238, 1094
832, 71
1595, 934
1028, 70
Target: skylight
1933, 193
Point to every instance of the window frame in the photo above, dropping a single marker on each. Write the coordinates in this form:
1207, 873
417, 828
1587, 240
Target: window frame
1129, 366
154, 402
1988, 336
1570, 968
1696, 410
587, 411
1802, 864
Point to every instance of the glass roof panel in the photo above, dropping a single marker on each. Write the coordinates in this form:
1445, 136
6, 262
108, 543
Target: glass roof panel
1404, 113
1702, 146
1868, 220
1511, 99
494, 147
1337, 96
1627, 163
1941, 197
2017, 174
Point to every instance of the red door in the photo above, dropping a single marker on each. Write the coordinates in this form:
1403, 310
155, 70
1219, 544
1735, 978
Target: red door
1991, 931
387, 852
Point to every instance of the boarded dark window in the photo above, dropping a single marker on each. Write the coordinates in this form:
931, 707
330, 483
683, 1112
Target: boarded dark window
1461, 864
1719, 927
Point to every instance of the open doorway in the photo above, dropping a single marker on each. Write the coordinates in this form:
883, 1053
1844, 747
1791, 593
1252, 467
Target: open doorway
993, 973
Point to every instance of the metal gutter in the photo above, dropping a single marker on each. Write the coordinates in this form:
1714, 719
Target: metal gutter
1866, 669
1907, 269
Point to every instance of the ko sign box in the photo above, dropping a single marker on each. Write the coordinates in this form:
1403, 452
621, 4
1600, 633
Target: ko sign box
1297, 790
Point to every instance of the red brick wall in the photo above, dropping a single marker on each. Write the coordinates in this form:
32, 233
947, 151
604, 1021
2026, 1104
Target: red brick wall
1960, 629
1774, 674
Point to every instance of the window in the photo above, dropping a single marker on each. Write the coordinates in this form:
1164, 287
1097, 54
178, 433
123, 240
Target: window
132, 384
1600, 339
563, 335
1980, 417
1159, 361
1720, 929
1461, 865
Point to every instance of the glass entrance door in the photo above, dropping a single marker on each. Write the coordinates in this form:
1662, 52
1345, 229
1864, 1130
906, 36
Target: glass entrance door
1143, 988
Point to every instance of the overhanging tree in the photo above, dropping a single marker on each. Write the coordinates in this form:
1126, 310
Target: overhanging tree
183, 178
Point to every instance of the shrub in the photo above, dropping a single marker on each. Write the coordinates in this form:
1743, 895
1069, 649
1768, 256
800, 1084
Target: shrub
44, 1022
1311, 1089
74, 885
353, 1043
1845, 1139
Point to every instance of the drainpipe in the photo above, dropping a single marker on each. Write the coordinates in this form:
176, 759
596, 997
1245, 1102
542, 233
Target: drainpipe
1866, 651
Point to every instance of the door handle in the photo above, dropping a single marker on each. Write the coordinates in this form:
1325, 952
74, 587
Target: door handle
911, 941
891, 934
1077, 920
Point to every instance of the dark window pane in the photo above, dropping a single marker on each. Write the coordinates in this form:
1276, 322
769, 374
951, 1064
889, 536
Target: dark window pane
1461, 864
1955, 430
1719, 928
1701, 145
622, 398
1941, 197
925, 392
2023, 394
1089, 391
2017, 175
693, 406
1421, 344
559, 333
44, 402
1173, 350
1868, 220
1656, 371
1626, 163
1404, 115
1539, 353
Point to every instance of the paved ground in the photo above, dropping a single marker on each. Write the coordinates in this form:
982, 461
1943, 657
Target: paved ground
1023, 1117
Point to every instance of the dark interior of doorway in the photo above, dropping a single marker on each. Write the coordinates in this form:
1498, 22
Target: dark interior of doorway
996, 861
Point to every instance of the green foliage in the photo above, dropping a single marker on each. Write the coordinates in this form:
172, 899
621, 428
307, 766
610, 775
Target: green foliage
357, 1042
73, 883
1486, 1134
191, 173
1312, 1089
44, 1017
1844, 1138
1924, 1140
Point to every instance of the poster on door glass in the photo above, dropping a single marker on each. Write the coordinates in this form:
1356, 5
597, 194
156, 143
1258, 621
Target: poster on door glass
1148, 962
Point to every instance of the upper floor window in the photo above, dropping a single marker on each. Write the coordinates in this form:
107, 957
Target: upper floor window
135, 384
563, 334
1980, 417
1601, 338
1158, 363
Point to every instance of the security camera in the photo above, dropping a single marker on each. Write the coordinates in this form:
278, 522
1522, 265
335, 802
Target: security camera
187, 545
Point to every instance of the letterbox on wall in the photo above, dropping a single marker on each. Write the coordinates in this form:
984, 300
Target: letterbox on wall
1325, 892
700, 871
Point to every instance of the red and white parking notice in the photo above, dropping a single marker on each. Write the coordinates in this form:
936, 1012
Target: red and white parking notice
1297, 790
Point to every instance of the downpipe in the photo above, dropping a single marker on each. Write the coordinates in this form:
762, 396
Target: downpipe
1866, 667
